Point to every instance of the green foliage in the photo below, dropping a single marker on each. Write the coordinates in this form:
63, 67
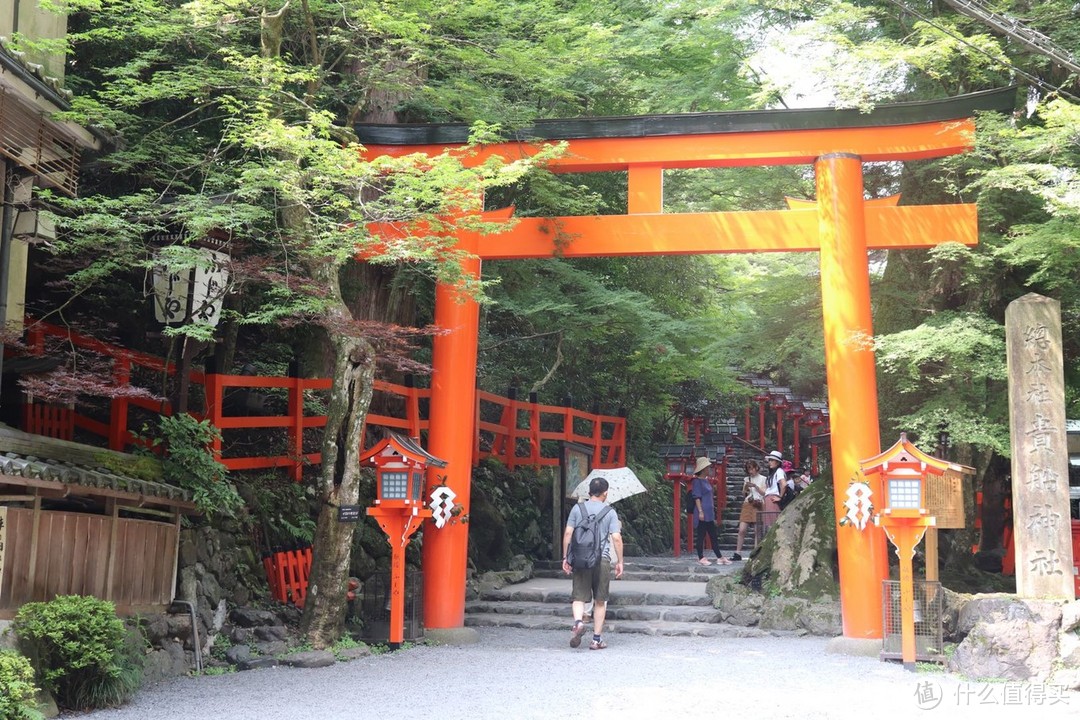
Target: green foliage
345, 642
77, 647
17, 689
222, 643
218, 670
187, 462
282, 508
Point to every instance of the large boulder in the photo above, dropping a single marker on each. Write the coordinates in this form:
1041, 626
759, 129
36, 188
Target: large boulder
165, 662
1067, 671
798, 555
1008, 638
745, 607
738, 604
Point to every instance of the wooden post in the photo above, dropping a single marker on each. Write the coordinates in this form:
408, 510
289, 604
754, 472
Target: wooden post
296, 416
113, 509
677, 524
597, 436
932, 554
905, 534
510, 439
118, 407
214, 411
176, 556
761, 423
556, 516
534, 430
645, 189
35, 542
412, 407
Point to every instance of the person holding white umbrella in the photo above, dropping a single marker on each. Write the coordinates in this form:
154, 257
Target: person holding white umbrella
591, 581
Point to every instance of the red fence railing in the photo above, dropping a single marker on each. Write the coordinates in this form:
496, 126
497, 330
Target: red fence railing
524, 433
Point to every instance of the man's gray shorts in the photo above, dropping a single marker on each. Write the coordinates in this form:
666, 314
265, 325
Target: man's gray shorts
592, 583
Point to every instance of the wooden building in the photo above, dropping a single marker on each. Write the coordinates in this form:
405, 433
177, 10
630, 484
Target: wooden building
77, 520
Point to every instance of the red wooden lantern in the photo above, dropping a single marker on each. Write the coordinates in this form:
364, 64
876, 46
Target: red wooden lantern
399, 509
904, 468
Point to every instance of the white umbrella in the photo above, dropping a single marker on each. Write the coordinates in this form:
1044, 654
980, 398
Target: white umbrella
622, 483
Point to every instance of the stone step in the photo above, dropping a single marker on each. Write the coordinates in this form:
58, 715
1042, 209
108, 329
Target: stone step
669, 613
682, 569
695, 573
642, 627
660, 596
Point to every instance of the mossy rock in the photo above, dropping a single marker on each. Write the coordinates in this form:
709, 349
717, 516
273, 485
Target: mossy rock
798, 554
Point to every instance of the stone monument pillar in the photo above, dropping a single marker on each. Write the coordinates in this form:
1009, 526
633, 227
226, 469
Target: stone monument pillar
1040, 458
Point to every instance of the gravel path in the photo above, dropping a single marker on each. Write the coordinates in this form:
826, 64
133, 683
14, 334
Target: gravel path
525, 674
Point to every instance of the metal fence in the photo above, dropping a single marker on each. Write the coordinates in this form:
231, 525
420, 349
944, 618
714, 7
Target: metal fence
375, 607
929, 612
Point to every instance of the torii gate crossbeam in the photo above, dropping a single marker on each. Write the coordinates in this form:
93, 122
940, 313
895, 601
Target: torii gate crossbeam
841, 226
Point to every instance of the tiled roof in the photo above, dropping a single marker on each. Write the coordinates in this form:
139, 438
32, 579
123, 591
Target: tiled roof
35, 71
35, 468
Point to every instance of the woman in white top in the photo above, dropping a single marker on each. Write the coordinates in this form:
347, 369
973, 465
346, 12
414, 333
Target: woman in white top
754, 491
774, 488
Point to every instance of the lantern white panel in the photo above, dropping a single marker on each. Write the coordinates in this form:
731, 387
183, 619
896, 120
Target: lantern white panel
905, 494
395, 486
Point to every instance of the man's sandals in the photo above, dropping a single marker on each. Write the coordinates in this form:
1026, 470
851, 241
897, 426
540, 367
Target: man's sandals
576, 633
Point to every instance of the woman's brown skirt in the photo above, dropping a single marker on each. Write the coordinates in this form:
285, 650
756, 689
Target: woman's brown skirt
748, 513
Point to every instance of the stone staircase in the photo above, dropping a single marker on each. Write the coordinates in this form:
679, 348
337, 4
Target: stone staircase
655, 596
728, 527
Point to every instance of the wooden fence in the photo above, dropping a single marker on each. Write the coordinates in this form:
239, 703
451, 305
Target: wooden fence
131, 562
523, 433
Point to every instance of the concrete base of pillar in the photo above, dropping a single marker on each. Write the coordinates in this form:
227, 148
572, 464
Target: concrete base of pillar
861, 647
451, 636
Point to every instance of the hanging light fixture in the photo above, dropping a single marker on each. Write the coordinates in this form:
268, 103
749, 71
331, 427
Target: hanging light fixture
190, 285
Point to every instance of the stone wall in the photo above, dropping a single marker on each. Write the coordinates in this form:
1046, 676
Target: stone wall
742, 606
218, 570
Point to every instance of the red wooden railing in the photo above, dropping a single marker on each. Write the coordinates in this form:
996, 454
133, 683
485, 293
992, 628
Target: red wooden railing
525, 421
287, 573
523, 435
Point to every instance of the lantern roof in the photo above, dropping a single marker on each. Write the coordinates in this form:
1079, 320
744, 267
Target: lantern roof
904, 451
406, 447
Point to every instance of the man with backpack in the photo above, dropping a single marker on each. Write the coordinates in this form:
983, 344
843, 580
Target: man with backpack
592, 543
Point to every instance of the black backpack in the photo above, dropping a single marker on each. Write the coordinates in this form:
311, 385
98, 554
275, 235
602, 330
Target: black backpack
586, 544
689, 501
787, 496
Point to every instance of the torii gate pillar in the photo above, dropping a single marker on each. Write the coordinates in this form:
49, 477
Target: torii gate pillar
849, 365
450, 437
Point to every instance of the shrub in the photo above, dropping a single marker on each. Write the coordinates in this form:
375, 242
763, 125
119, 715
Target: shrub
77, 646
189, 463
17, 690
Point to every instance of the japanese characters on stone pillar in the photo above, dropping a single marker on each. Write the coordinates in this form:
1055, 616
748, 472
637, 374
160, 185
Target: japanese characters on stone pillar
1040, 461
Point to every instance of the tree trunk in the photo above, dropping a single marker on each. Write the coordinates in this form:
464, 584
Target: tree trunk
323, 621
353, 381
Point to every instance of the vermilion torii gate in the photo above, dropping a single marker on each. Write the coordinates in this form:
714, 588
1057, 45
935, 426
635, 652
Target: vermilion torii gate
841, 226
